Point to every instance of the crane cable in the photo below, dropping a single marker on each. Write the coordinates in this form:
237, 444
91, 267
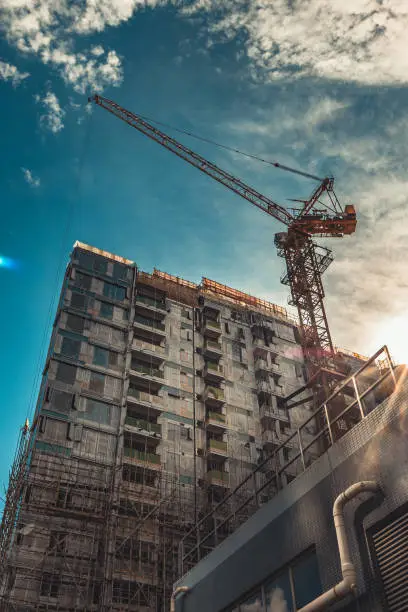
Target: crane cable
59, 270
232, 149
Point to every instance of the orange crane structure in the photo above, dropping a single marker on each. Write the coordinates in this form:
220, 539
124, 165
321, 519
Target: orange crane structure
305, 260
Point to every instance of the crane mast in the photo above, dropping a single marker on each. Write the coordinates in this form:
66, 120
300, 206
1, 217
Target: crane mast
305, 260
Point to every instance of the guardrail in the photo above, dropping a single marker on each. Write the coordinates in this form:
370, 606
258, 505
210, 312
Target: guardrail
210, 344
350, 402
148, 346
137, 367
217, 475
216, 416
217, 445
143, 425
142, 456
150, 302
143, 396
149, 323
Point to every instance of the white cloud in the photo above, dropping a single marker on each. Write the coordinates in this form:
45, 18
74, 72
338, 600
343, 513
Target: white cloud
86, 73
98, 15
309, 114
349, 40
8, 72
97, 50
52, 118
50, 29
29, 177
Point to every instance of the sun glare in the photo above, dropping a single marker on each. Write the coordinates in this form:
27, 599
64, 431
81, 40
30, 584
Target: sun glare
394, 333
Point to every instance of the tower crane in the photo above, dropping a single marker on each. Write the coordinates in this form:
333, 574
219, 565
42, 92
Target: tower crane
305, 260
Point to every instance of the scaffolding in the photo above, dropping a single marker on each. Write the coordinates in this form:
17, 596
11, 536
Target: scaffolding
79, 535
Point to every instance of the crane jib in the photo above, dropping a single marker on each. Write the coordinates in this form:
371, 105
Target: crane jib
304, 265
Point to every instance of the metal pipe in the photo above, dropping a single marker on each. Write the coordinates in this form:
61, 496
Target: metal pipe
177, 591
348, 584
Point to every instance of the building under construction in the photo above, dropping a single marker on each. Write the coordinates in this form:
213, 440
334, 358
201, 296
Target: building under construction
160, 398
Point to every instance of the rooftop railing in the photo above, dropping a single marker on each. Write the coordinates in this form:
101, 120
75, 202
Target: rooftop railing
349, 403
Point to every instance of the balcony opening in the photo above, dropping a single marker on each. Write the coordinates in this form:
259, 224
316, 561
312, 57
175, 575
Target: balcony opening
142, 415
49, 585
145, 366
139, 475
153, 341
148, 393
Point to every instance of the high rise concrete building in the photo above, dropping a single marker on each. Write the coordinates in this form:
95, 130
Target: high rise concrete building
159, 397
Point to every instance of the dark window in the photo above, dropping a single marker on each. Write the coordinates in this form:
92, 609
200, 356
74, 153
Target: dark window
306, 580
49, 585
57, 541
114, 291
11, 578
125, 315
61, 401
85, 260
236, 351
278, 594
83, 280
97, 382
119, 271
71, 348
100, 265
125, 592
98, 412
146, 552
113, 359
63, 498
78, 300
185, 433
101, 357
66, 373
186, 313
227, 329
139, 475
75, 324
106, 310
97, 592
92, 262
42, 423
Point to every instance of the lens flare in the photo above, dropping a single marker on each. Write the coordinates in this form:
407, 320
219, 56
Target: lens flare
394, 333
7, 262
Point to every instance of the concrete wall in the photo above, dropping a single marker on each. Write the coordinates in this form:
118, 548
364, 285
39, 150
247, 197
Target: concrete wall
301, 516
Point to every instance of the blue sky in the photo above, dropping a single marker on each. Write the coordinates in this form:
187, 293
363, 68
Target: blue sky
321, 86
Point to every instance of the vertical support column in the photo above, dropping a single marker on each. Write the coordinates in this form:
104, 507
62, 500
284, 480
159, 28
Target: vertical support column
390, 365
255, 489
326, 413
301, 449
358, 397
